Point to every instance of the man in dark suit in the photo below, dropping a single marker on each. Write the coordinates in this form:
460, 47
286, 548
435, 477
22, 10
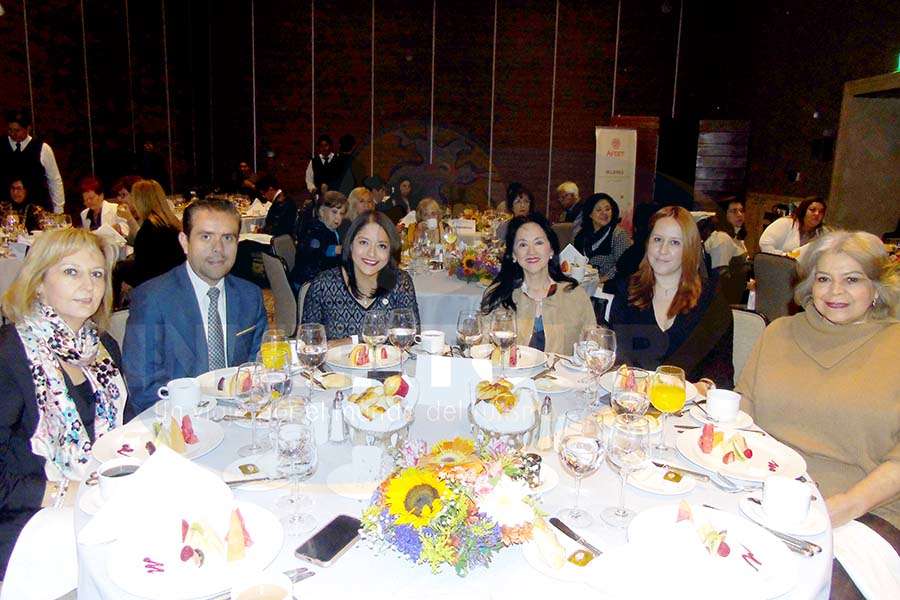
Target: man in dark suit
282, 216
196, 317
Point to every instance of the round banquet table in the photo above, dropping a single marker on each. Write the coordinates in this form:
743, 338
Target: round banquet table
441, 297
362, 571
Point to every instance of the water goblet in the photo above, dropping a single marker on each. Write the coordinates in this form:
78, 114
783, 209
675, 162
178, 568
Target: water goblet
581, 450
312, 345
630, 393
598, 348
251, 396
503, 333
628, 449
374, 331
297, 456
402, 330
469, 331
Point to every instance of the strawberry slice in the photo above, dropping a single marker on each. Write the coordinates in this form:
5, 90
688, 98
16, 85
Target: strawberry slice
184, 531
187, 430
706, 438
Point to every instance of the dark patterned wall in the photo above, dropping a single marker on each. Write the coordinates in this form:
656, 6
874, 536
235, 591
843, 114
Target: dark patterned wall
771, 63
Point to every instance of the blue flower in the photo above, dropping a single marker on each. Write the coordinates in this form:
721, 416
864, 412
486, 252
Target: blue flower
407, 541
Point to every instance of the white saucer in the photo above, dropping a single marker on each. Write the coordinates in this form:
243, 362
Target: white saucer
342, 482
554, 385
91, 501
816, 521
742, 420
651, 480
163, 407
267, 463
549, 480
417, 349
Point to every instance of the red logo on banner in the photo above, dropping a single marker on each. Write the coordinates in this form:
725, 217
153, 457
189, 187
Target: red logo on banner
616, 143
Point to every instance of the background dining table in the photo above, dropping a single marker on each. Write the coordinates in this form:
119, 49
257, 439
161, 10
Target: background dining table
440, 413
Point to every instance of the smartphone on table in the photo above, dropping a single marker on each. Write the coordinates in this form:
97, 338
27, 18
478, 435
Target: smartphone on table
330, 542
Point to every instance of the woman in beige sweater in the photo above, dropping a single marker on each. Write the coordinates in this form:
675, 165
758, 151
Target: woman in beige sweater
551, 308
826, 381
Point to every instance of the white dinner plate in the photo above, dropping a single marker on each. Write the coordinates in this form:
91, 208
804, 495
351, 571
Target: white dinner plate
211, 380
342, 481
394, 418
608, 380
267, 463
651, 479
770, 457
569, 571
184, 581
816, 521
339, 356
742, 420
553, 385
135, 435
528, 357
774, 573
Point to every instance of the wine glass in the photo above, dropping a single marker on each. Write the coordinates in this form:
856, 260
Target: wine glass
312, 345
581, 451
374, 331
297, 456
402, 330
275, 350
503, 333
629, 449
252, 396
598, 348
469, 331
667, 395
630, 392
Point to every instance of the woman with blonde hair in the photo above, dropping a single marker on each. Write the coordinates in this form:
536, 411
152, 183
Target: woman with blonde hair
825, 381
62, 387
428, 221
156, 247
667, 314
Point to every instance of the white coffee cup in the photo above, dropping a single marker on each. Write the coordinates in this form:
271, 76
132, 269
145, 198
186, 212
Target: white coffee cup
431, 341
785, 501
262, 586
723, 405
366, 462
183, 393
113, 475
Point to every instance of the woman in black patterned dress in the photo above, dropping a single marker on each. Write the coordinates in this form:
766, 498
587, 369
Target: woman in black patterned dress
368, 279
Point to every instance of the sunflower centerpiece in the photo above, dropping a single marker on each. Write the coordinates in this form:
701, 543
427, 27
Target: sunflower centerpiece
452, 505
478, 264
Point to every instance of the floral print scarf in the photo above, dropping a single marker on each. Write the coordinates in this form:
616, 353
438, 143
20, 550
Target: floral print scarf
60, 436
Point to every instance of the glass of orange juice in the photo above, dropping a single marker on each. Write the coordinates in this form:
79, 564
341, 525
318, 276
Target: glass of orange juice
667, 395
275, 351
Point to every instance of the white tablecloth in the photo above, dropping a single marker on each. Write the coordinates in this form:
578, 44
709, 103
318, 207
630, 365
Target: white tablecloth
361, 571
441, 297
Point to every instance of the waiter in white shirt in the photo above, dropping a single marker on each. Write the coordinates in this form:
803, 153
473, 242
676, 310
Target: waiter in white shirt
26, 158
324, 168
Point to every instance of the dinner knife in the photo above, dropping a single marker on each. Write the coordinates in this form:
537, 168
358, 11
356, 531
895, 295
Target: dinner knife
695, 474
254, 480
571, 534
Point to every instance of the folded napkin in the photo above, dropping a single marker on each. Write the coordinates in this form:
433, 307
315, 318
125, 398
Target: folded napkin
260, 238
166, 489
573, 256
869, 560
258, 209
409, 219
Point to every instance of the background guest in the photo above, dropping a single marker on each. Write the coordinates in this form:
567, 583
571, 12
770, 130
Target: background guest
378, 187
789, 233
368, 279
19, 203
156, 246
400, 199
520, 205
837, 399
570, 200
121, 189
98, 211
601, 239
32, 161
244, 180
359, 201
62, 388
428, 221
319, 245
282, 216
668, 314
727, 241
551, 309
324, 168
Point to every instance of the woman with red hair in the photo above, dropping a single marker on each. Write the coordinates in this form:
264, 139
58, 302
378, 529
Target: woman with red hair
98, 211
667, 313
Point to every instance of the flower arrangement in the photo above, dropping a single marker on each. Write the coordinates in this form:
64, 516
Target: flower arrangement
452, 505
474, 264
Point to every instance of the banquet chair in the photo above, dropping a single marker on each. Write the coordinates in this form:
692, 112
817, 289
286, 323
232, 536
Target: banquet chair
284, 246
774, 284
117, 322
748, 326
564, 231
44, 561
285, 303
300, 298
